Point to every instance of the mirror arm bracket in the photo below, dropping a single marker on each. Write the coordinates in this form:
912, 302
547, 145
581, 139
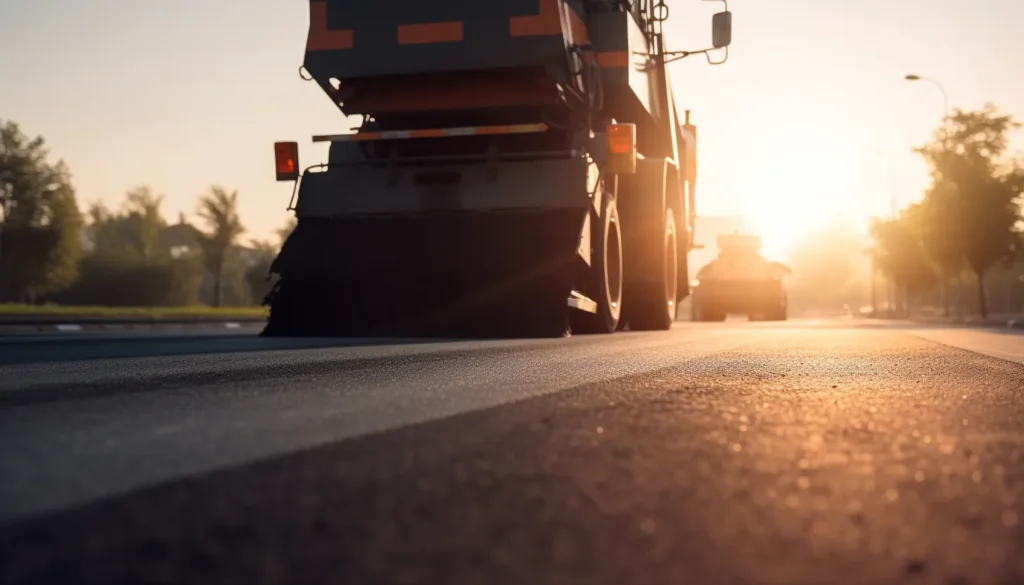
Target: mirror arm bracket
670, 56
667, 57
725, 2
724, 59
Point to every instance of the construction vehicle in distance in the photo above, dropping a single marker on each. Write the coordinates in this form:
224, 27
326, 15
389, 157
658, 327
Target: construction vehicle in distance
740, 281
520, 169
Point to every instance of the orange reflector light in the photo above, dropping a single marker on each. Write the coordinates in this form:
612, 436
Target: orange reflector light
622, 149
286, 159
621, 138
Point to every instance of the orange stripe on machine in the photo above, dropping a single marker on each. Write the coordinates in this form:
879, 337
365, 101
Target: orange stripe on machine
428, 33
546, 22
613, 59
434, 133
320, 37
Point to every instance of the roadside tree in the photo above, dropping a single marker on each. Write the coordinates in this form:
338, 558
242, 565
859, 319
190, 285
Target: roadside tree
40, 224
972, 210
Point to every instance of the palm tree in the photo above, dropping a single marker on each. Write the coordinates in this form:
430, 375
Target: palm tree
219, 210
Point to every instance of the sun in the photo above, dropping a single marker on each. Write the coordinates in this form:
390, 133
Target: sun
803, 183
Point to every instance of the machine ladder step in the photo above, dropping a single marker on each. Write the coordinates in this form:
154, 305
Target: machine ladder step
579, 301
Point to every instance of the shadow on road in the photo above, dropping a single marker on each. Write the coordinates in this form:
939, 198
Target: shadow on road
98, 347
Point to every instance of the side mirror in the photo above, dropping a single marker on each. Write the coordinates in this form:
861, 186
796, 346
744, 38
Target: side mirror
721, 29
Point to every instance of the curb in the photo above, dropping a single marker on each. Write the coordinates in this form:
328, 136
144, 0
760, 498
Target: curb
73, 319
1015, 323
85, 327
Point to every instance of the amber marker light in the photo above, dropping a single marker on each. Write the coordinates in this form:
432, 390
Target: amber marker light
622, 149
286, 159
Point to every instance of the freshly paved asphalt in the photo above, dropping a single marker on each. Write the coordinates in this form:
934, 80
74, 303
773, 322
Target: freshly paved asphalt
804, 452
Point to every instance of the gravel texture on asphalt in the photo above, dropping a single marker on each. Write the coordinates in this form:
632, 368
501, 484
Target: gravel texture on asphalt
784, 454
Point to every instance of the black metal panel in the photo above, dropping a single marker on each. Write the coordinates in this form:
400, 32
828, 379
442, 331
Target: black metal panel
487, 42
360, 14
630, 86
358, 190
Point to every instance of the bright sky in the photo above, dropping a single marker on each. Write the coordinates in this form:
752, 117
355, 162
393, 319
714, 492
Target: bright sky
809, 119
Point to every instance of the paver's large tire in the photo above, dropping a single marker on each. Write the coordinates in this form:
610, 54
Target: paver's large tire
603, 281
652, 305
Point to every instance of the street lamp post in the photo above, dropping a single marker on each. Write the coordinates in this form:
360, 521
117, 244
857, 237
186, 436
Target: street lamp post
945, 150
945, 96
945, 106
880, 154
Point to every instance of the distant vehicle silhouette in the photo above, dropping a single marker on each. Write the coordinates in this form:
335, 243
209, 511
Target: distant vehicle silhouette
740, 281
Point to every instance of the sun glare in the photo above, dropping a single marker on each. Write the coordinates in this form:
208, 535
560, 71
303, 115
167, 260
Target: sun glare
801, 185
